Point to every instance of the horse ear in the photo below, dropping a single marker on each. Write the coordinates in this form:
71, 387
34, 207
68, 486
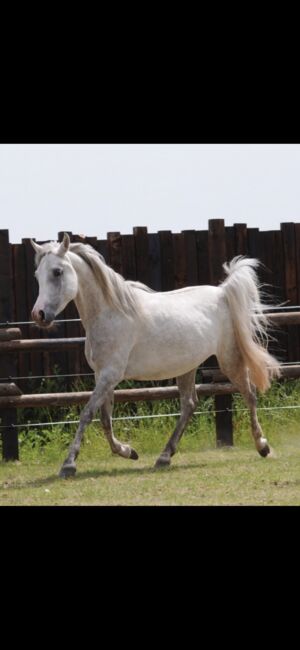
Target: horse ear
64, 247
36, 246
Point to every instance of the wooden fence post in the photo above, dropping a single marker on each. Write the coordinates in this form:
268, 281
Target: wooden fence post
217, 255
10, 449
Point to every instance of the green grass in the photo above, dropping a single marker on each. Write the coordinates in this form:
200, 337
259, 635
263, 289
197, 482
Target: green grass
200, 474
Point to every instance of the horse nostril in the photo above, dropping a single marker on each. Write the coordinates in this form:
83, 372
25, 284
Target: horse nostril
42, 314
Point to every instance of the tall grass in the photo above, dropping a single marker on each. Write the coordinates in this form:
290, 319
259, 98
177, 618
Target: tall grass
149, 434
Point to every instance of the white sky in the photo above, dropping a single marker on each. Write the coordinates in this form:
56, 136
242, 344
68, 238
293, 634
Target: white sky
93, 189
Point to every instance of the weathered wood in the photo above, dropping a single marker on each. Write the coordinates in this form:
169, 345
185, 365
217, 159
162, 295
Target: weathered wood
240, 235
254, 242
141, 254
8, 365
180, 261
285, 318
154, 261
190, 254
290, 265
223, 419
114, 241
167, 260
202, 256
128, 257
21, 308
9, 389
122, 395
216, 249
217, 256
230, 242
40, 344
10, 334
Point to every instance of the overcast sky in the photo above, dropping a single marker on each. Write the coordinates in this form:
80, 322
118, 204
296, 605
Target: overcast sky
93, 189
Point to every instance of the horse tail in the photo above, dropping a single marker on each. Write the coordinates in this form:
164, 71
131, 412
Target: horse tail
250, 323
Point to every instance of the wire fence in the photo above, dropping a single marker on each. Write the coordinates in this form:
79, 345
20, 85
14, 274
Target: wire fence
267, 309
134, 417
92, 374
147, 417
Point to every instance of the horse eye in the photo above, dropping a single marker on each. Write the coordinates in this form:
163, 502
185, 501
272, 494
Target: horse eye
57, 272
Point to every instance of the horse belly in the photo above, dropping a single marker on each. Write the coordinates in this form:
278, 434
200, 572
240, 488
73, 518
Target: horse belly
164, 360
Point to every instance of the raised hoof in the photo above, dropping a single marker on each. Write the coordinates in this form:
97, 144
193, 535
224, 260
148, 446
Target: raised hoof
265, 451
162, 461
133, 454
67, 471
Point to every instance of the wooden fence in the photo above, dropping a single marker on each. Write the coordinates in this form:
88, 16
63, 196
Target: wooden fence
163, 260
12, 398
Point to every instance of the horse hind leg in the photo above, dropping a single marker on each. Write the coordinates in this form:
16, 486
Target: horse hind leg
238, 374
116, 446
188, 403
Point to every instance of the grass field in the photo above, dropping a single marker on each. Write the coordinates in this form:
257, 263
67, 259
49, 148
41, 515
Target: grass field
200, 474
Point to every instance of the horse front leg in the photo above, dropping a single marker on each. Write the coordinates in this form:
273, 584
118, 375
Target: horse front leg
104, 386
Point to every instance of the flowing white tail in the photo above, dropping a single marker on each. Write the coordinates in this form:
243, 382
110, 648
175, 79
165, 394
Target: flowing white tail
250, 323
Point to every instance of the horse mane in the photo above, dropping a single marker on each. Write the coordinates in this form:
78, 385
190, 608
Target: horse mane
117, 291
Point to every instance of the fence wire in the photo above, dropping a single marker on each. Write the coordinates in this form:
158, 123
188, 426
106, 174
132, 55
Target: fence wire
92, 374
147, 417
267, 309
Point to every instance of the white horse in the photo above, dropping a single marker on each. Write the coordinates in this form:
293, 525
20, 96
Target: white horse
133, 332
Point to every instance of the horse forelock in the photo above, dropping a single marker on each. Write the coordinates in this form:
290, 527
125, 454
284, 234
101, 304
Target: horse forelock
49, 247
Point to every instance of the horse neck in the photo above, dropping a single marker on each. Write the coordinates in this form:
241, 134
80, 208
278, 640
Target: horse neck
89, 299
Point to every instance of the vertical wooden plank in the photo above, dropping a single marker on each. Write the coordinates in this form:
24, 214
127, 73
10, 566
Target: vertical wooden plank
115, 253
271, 257
290, 271
230, 243
21, 309
154, 262
240, 233
190, 245
279, 346
141, 254
10, 447
268, 243
128, 257
167, 260
224, 425
102, 248
92, 241
254, 245
202, 257
180, 261
216, 249
217, 256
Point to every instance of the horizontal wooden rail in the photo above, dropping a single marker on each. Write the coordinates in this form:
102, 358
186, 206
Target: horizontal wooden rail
219, 386
44, 345
287, 318
121, 395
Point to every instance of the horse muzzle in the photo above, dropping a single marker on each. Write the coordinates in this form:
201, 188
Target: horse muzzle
43, 317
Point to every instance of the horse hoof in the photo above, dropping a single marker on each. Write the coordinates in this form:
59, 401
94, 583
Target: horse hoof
133, 454
265, 451
67, 471
162, 461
